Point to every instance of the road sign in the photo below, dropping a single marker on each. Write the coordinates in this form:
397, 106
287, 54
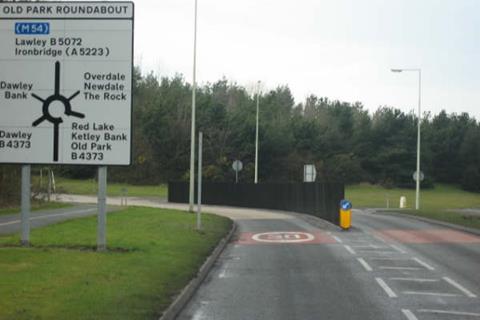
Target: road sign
65, 82
237, 165
414, 176
309, 173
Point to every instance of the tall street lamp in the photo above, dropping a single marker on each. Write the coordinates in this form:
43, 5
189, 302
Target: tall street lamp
417, 196
192, 142
256, 135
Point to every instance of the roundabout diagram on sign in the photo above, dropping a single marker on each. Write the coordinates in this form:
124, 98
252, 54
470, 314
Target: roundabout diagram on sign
55, 119
283, 237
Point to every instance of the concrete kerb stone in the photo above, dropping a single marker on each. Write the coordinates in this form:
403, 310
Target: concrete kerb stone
187, 293
437, 222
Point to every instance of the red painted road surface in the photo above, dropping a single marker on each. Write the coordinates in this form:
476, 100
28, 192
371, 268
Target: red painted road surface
427, 236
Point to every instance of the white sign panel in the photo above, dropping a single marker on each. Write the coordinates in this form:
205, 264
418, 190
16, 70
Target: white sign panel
65, 82
309, 173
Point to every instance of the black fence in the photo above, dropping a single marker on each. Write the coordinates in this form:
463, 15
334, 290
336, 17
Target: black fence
318, 199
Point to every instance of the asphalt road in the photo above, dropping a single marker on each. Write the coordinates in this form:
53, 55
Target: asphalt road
386, 267
11, 223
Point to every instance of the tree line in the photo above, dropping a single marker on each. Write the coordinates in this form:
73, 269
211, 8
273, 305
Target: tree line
344, 141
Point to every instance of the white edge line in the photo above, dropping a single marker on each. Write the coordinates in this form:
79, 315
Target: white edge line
10, 222
398, 248
467, 292
458, 313
386, 288
349, 249
49, 216
424, 264
337, 239
365, 264
409, 314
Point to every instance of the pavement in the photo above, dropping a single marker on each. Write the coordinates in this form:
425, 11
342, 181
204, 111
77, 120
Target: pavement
289, 266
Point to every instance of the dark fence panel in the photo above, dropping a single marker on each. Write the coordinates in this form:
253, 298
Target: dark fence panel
318, 199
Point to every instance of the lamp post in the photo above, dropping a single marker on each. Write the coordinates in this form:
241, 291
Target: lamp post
417, 195
256, 135
192, 142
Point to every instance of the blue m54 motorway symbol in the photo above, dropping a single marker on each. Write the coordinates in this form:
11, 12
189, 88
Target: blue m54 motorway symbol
32, 28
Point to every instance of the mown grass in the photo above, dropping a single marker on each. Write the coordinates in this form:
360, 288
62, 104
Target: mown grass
89, 187
155, 253
441, 202
35, 206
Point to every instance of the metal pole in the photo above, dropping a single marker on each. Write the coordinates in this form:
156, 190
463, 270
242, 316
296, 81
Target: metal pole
102, 206
236, 176
417, 181
256, 136
25, 205
192, 138
199, 187
49, 191
417, 199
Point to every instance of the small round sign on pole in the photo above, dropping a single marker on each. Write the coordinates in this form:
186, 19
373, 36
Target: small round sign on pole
237, 166
415, 175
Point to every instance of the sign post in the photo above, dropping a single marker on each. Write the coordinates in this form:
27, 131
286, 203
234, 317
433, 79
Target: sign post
65, 85
25, 205
237, 166
199, 187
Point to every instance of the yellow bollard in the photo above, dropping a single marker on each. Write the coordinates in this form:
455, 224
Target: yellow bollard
345, 214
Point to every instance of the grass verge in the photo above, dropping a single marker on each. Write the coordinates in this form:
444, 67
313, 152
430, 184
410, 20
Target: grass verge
155, 253
36, 205
89, 187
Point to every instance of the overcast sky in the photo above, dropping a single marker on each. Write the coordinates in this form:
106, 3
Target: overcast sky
340, 49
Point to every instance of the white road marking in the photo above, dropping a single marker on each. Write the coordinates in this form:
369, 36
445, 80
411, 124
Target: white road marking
283, 237
337, 239
364, 264
467, 292
457, 313
424, 264
379, 238
349, 249
414, 279
409, 314
199, 314
372, 246
223, 273
398, 248
390, 259
398, 268
378, 252
438, 294
386, 288
49, 216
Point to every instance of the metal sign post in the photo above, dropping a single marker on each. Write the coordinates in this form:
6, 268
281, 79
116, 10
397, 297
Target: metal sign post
199, 187
237, 166
25, 205
102, 209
